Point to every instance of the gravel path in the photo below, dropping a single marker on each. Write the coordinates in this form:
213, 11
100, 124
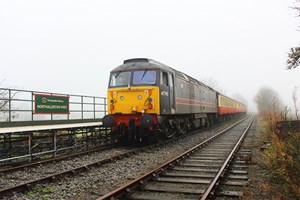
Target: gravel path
101, 180
257, 173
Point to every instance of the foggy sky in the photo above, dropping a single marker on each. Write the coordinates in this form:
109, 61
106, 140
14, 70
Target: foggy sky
71, 46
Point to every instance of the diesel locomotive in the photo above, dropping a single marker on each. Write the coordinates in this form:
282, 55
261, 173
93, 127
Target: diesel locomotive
148, 101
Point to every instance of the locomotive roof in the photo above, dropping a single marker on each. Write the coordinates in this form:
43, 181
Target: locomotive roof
145, 63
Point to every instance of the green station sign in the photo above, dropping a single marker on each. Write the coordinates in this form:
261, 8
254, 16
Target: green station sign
51, 104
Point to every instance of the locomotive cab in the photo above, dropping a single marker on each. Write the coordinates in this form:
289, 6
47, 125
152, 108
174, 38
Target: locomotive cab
138, 92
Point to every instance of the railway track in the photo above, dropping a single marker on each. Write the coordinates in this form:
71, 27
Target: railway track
9, 169
196, 174
25, 178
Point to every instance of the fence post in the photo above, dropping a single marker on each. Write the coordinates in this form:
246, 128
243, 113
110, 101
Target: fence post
81, 107
54, 140
32, 105
68, 115
51, 114
94, 98
87, 139
29, 146
9, 105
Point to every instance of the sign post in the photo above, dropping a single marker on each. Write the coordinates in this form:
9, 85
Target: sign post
51, 104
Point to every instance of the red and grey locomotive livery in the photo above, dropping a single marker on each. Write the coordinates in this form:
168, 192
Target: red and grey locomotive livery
147, 99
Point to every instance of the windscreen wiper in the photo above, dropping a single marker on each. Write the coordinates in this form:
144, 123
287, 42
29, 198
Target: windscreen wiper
118, 73
144, 74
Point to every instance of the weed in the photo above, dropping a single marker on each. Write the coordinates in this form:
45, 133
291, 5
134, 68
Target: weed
283, 160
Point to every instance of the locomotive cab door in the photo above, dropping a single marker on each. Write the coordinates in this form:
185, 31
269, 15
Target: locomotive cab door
172, 94
165, 94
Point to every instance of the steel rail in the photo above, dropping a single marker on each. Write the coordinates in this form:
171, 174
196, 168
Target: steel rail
32, 164
221, 172
74, 171
127, 188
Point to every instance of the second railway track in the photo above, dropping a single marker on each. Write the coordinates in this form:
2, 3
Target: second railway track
196, 174
24, 177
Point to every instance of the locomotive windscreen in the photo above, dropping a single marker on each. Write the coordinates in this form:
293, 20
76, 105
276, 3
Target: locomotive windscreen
144, 77
120, 79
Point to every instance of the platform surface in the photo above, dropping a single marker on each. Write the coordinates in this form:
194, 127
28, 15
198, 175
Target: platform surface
46, 127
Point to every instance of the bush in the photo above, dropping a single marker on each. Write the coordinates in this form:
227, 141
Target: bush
283, 160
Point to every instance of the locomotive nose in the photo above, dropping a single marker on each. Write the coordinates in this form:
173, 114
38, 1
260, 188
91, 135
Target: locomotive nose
108, 121
147, 121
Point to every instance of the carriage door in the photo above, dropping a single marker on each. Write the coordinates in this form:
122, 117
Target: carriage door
164, 94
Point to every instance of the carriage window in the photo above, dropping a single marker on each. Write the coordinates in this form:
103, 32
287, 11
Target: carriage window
120, 79
144, 77
165, 79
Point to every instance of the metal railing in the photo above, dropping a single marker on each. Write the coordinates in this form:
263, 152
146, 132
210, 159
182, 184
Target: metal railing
17, 108
24, 146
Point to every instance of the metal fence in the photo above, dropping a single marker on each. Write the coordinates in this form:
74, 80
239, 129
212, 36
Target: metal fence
23, 146
17, 109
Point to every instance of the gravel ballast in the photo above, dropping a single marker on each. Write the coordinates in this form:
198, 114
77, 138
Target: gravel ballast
99, 181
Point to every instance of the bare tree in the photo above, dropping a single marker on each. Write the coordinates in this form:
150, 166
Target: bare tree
5, 104
269, 105
3, 99
214, 85
240, 98
293, 60
267, 100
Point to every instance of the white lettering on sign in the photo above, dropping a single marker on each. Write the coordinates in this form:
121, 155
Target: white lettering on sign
51, 107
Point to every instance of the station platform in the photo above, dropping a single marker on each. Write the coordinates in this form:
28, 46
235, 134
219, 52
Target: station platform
21, 129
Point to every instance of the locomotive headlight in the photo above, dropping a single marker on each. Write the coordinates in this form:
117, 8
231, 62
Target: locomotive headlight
139, 97
112, 101
150, 100
121, 98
